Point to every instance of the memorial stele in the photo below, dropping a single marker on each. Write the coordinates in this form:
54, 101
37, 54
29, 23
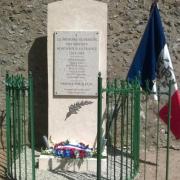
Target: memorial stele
77, 51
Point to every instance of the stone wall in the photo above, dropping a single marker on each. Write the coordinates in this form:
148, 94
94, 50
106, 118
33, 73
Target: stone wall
23, 41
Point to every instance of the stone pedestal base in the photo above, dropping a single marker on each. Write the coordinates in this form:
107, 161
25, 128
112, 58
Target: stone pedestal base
47, 162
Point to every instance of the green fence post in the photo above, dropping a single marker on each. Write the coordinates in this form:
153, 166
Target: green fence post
127, 128
123, 102
145, 133
157, 132
107, 126
14, 120
31, 114
19, 127
131, 134
136, 129
8, 124
99, 127
115, 125
168, 130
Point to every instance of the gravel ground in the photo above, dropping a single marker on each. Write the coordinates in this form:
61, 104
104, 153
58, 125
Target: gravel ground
59, 175
174, 166
67, 175
49, 175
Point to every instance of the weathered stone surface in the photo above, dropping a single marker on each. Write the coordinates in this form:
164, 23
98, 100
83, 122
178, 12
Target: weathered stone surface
177, 3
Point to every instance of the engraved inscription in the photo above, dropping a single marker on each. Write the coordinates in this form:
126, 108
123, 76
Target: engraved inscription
76, 63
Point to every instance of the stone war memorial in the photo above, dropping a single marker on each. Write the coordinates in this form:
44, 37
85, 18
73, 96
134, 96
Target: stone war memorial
77, 52
77, 90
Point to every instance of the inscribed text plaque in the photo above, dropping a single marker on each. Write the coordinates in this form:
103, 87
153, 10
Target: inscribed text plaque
76, 63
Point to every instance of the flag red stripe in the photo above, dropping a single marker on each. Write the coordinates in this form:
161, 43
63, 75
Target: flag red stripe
175, 114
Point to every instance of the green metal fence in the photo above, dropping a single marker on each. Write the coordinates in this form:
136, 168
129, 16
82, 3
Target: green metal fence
124, 103
156, 140
19, 127
133, 131
122, 129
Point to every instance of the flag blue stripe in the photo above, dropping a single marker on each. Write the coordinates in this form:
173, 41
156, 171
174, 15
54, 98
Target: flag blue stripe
144, 65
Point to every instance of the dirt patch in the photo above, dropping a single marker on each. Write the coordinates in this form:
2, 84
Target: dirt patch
150, 165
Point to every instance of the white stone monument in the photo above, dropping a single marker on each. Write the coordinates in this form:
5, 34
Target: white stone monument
77, 51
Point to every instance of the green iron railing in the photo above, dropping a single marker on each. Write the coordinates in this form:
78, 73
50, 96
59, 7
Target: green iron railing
125, 137
99, 128
122, 129
162, 95
19, 127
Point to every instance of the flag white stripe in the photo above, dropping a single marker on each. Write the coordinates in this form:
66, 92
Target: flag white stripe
166, 56
165, 72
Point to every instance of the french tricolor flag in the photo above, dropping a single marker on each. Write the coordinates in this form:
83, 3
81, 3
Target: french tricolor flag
152, 63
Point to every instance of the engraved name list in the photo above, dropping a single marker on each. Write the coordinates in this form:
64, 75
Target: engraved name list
76, 63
